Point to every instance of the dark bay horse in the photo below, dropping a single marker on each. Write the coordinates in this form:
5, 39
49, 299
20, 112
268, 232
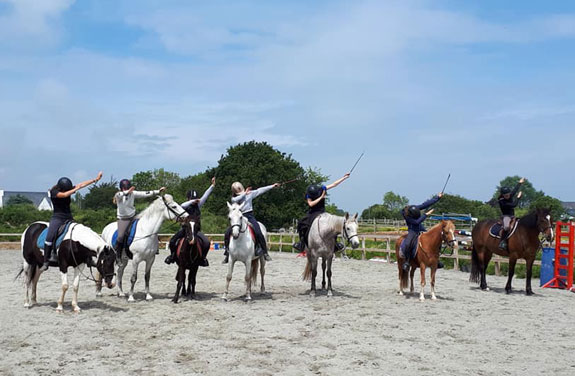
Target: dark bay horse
79, 247
188, 257
524, 243
428, 248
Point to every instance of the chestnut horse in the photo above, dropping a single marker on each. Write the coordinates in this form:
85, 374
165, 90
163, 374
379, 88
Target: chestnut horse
524, 243
428, 248
189, 258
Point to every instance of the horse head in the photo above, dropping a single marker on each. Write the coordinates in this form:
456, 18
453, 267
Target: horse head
545, 224
171, 208
191, 229
235, 216
350, 228
106, 264
448, 234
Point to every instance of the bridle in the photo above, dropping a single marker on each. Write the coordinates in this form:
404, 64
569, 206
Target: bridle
178, 216
346, 235
240, 225
99, 262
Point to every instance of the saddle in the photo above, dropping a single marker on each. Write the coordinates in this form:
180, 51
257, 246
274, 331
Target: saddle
59, 236
130, 232
181, 243
413, 248
497, 228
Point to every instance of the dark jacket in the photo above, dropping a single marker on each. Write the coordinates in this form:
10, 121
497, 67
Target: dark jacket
416, 224
508, 206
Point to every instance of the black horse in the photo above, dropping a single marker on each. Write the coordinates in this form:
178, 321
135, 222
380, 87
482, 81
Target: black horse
188, 257
80, 247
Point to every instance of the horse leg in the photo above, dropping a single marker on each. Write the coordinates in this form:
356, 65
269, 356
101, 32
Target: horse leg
76, 287
313, 275
484, 263
323, 262
37, 274
149, 264
528, 290
133, 279
512, 262
229, 277
400, 276
329, 289
121, 268
64, 276
248, 279
262, 273
28, 270
433, 270
180, 277
421, 294
411, 274
192, 281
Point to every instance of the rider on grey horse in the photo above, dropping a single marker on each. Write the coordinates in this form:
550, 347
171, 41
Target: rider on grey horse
414, 220
315, 197
507, 204
192, 206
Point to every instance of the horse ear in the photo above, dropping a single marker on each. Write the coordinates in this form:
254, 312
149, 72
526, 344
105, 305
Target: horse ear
355, 217
229, 205
346, 216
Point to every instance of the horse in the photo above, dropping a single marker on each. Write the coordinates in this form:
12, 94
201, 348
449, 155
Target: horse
145, 243
188, 257
523, 243
80, 246
242, 248
321, 243
427, 255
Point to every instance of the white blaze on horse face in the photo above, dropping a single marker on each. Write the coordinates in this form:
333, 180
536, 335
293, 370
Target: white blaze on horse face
550, 228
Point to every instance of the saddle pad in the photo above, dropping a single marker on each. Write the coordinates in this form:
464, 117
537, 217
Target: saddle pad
495, 229
181, 243
252, 232
59, 237
131, 234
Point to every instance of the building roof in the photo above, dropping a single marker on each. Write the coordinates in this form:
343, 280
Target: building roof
35, 197
568, 204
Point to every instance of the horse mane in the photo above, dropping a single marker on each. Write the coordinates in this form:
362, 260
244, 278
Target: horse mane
86, 236
334, 222
151, 208
529, 220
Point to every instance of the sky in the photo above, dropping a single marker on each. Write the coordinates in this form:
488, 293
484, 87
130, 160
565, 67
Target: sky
481, 90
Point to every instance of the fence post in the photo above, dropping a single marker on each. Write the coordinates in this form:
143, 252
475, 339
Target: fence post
456, 262
281, 241
363, 248
374, 225
388, 249
292, 241
497, 267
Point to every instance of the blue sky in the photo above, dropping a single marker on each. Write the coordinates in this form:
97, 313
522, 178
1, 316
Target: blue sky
482, 90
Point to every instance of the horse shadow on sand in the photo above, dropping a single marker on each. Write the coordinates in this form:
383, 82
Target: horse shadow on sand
323, 293
85, 306
501, 290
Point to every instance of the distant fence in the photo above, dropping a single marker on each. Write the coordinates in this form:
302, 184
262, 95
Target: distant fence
369, 243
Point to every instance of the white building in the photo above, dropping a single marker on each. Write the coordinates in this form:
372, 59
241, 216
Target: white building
41, 200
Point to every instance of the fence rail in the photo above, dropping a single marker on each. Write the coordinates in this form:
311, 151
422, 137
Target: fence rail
284, 241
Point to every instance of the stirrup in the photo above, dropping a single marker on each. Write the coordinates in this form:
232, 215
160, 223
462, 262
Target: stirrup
299, 246
405, 266
45, 266
169, 260
503, 245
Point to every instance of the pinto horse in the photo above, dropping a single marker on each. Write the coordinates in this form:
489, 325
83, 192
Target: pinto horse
79, 247
321, 239
188, 257
145, 243
524, 243
428, 248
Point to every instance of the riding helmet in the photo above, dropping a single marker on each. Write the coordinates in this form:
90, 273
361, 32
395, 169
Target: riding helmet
505, 191
192, 195
65, 184
125, 184
414, 212
314, 191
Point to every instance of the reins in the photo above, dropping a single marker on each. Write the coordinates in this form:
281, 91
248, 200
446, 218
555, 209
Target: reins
73, 251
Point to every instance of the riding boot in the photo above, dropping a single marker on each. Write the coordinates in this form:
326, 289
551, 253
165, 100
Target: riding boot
204, 261
503, 242
299, 246
53, 256
339, 246
405, 265
227, 254
440, 265
118, 250
172, 257
47, 252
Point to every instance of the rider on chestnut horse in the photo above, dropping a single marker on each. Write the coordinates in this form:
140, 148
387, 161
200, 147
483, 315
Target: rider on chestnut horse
507, 204
414, 220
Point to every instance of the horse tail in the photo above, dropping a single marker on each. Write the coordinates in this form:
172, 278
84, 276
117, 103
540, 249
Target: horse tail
475, 275
255, 264
306, 275
404, 278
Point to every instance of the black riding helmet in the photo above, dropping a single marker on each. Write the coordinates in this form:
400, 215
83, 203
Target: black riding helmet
505, 191
125, 184
64, 184
413, 212
314, 191
192, 195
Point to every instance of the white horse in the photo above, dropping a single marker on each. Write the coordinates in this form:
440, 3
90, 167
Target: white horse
321, 240
145, 243
242, 248
80, 245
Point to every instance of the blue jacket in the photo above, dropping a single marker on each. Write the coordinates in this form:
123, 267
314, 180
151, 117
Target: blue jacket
414, 224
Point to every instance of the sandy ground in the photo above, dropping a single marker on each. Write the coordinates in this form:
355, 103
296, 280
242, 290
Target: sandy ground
366, 328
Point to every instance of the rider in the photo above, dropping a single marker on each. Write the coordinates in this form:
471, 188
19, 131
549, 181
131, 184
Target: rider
60, 197
126, 211
507, 204
192, 206
315, 197
246, 196
414, 220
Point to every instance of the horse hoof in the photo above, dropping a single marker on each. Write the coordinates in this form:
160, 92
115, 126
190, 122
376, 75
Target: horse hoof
329, 294
149, 297
131, 299
529, 293
59, 309
433, 297
312, 294
26, 305
175, 301
248, 299
508, 291
77, 309
225, 298
400, 293
121, 295
422, 298
98, 295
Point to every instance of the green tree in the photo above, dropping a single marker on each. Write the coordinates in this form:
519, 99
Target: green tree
19, 200
394, 202
530, 194
461, 205
100, 196
547, 202
155, 179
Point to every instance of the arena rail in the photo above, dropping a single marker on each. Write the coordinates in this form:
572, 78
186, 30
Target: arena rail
283, 243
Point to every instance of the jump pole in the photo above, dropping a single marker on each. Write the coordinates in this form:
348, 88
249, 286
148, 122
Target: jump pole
564, 250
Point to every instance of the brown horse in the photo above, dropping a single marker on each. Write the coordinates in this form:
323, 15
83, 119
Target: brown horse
428, 247
524, 243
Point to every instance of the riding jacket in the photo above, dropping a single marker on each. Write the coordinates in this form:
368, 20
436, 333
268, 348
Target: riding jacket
247, 198
416, 224
125, 202
507, 206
